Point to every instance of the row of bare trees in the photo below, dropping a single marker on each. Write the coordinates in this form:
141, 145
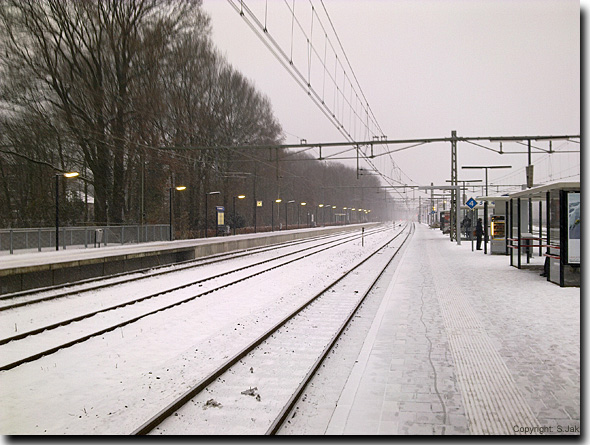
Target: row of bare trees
128, 93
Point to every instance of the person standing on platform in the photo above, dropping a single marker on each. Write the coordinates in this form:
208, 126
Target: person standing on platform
466, 225
478, 233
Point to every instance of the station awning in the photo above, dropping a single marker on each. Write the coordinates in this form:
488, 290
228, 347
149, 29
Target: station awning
541, 191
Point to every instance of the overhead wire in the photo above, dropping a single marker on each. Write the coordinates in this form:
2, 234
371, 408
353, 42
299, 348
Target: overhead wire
287, 62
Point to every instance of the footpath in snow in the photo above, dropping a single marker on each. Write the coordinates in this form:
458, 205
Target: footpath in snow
463, 343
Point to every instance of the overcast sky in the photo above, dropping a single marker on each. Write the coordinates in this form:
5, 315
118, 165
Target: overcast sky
482, 68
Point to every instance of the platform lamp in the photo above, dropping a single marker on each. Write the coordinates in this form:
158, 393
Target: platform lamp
298, 207
272, 214
234, 211
57, 176
171, 191
485, 205
206, 210
287, 213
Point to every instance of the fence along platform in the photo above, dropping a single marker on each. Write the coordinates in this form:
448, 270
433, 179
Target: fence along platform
90, 236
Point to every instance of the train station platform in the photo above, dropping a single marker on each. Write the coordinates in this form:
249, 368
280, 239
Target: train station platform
465, 344
31, 270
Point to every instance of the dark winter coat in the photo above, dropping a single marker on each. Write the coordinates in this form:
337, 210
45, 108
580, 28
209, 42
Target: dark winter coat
479, 229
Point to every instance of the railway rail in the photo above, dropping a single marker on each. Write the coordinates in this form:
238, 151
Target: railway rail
31, 296
12, 355
271, 358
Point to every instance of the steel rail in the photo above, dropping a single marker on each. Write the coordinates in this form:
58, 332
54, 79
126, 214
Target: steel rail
169, 306
187, 264
280, 419
159, 417
166, 291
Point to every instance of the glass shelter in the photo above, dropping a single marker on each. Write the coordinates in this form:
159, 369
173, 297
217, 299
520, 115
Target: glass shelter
544, 226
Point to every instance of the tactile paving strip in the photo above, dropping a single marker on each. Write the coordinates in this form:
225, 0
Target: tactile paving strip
493, 403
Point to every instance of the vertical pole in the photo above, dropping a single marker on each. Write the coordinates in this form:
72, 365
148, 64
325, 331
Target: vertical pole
485, 227
518, 229
457, 210
234, 213
254, 195
506, 221
530, 199
170, 226
547, 218
511, 231
540, 228
206, 221
563, 221
357, 162
56, 212
142, 189
431, 209
286, 215
272, 217
454, 195
419, 209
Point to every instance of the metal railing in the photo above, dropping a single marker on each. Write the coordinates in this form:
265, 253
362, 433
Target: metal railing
38, 239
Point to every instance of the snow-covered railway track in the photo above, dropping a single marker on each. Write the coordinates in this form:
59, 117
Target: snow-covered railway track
254, 391
39, 295
49, 338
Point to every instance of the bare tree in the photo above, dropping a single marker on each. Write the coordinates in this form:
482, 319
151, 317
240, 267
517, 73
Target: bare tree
79, 58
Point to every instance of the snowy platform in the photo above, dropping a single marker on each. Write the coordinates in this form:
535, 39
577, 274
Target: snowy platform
31, 270
465, 344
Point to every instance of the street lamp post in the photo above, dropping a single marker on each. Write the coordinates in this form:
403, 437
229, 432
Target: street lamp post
57, 176
234, 211
206, 210
298, 207
171, 191
485, 204
287, 213
272, 214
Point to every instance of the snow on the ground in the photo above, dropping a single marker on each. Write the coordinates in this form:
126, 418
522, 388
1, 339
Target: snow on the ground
124, 377
113, 383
